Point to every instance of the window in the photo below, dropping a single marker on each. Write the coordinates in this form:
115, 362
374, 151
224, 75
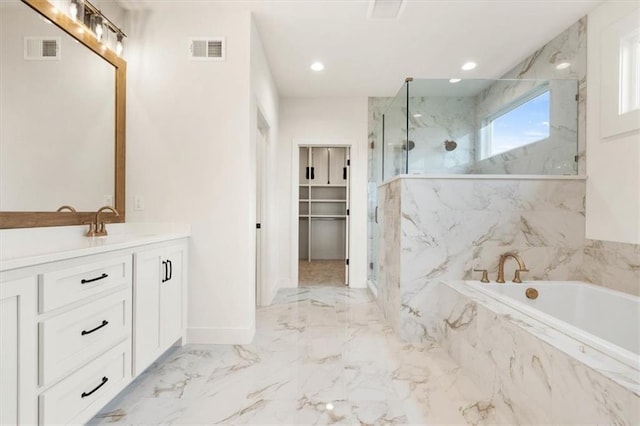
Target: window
525, 122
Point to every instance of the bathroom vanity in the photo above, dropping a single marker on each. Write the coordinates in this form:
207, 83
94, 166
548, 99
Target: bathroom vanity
81, 317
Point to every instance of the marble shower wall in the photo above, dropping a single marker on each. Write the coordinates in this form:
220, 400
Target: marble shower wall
448, 227
613, 265
441, 118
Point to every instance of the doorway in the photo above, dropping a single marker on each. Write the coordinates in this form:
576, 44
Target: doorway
323, 215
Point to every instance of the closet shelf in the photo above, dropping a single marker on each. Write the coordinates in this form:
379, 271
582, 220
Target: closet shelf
323, 201
326, 185
313, 216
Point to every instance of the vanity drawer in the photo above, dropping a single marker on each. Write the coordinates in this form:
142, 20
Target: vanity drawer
64, 286
81, 395
69, 340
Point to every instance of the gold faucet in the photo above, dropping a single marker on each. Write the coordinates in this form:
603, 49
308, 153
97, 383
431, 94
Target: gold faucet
68, 208
100, 227
521, 267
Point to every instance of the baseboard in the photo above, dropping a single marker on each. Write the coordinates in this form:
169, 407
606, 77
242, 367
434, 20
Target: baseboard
220, 336
372, 288
272, 294
286, 283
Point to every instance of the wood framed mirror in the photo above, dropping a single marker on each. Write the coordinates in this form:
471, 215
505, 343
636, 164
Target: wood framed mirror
68, 149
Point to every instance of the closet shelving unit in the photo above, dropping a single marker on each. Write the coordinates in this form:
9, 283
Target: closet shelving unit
324, 197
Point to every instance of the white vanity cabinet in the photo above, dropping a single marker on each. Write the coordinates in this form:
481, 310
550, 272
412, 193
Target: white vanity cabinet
77, 326
159, 277
18, 350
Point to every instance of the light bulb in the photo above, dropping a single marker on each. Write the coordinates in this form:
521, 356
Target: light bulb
119, 46
73, 11
76, 10
99, 31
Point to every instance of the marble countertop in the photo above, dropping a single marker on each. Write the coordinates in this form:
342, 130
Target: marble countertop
20, 248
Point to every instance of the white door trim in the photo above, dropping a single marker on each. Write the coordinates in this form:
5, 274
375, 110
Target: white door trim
296, 143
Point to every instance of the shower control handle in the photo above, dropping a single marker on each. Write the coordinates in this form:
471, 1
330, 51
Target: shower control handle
485, 275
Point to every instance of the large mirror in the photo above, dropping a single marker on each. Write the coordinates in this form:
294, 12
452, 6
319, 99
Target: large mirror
62, 99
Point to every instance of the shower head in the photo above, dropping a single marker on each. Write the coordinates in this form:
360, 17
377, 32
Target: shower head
410, 145
450, 145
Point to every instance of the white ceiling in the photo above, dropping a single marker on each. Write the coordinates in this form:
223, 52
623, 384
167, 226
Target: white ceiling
430, 39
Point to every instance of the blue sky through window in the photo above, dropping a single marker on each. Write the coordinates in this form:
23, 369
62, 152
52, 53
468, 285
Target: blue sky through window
525, 124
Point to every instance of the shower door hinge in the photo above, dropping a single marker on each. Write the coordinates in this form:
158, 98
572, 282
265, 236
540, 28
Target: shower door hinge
258, 226
371, 145
349, 162
347, 261
347, 212
577, 97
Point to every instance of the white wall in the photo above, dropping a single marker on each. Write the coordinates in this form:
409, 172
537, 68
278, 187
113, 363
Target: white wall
613, 164
264, 103
190, 155
328, 121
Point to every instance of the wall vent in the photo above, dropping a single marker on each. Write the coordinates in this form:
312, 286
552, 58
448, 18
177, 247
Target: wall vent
42, 48
207, 49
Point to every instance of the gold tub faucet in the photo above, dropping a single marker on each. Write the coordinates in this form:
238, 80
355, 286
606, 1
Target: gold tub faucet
521, 267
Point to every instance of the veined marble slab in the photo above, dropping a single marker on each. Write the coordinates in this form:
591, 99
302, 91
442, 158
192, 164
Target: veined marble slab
540, 374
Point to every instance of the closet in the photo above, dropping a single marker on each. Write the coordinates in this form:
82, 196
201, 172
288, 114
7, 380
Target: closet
323, 216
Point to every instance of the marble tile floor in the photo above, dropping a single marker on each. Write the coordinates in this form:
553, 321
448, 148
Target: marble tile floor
320, 356
326, 273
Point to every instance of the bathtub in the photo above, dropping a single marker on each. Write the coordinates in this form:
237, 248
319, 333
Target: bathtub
569, 356
604, 319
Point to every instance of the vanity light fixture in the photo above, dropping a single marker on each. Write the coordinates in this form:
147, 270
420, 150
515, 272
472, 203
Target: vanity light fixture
455, 80
90, 17
317, 66
563, 65
468, 66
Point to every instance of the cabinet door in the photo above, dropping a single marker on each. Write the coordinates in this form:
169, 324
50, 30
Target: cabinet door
18, 351
171, 296
148, 274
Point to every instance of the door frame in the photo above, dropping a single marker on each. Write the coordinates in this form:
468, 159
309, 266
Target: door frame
261, 152
296, 144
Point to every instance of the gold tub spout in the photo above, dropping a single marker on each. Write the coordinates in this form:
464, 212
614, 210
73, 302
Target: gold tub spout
521, 267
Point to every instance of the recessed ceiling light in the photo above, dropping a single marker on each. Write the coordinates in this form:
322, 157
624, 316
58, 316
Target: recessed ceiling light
469, 66
417, 115
563, 65
317, 66
455, 80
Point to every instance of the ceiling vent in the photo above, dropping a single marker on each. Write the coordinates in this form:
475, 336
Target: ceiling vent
385, 9
207, 49
42, 48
